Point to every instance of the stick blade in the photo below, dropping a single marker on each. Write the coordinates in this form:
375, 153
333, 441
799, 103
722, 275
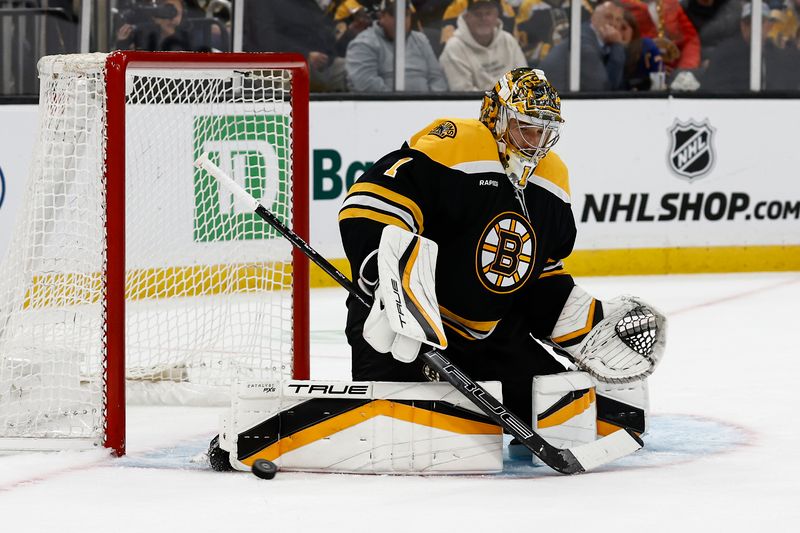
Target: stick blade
609, 448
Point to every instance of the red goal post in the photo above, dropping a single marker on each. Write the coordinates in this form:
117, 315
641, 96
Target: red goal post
197, 311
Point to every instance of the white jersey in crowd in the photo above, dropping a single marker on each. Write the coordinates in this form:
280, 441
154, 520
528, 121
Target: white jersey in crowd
470, 66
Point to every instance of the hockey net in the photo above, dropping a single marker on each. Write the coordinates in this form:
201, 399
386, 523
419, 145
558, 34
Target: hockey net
124, 253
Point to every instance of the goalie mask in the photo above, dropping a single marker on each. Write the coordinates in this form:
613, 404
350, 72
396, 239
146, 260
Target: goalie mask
523, 112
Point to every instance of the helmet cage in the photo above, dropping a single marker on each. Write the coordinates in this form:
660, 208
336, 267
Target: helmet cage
534, 136
523, 112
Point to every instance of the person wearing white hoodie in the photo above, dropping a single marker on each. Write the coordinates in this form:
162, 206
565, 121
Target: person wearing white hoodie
480, 51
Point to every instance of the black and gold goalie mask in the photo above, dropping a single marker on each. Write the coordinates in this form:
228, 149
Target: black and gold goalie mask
523, 112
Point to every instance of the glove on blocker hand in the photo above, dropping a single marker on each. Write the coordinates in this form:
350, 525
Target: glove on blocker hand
405, 312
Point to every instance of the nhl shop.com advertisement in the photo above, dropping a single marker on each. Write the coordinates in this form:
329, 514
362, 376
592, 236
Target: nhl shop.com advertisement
647, 174
691, 156
681, 173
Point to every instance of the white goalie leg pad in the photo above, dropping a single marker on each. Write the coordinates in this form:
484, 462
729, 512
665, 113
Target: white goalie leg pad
361, 427
617, 341
622, 405
565, 409
406, 312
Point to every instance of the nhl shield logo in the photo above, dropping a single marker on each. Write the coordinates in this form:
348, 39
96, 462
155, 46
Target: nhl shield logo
691, 151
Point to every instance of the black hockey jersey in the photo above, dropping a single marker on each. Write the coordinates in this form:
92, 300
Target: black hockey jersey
497, 245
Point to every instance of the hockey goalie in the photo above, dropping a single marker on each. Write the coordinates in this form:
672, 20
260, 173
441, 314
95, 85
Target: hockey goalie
459, 238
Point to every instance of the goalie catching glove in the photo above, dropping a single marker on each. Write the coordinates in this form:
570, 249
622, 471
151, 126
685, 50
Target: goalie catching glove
618, 341
405, 312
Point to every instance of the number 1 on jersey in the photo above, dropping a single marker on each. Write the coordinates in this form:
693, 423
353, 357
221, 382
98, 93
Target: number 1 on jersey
392, 172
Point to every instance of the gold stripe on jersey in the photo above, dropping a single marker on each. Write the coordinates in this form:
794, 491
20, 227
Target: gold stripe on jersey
553, 267
399, 199
362, 199
468, 146
469, 329
553, 273
551, 174
582, 331
383, 218
406, 281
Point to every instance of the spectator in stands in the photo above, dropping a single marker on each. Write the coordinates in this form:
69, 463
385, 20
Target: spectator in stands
602, 52
729, 66
370, 57
480, 50
430, 14
785, 32
160, 27
542, 24
666, 23
300, 26
644, 66
350, 17
457, 7
714, 20
211, 24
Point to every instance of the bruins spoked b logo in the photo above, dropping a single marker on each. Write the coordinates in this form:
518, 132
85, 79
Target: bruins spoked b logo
505, 255
691, 152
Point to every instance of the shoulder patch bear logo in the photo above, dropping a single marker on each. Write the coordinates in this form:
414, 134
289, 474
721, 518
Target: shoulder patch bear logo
445, 129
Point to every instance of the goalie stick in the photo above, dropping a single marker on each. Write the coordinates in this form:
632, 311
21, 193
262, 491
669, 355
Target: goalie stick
567, 461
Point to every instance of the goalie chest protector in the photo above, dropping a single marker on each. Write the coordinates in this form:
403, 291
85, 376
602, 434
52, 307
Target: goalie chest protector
448, 184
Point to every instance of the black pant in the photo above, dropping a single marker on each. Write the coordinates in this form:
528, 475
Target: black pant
509, 355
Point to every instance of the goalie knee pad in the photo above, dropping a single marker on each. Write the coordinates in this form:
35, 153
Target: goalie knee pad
572, 408
622, 405
565, 408
361, 427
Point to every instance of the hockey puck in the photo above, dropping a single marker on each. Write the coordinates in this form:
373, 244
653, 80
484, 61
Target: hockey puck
264, 469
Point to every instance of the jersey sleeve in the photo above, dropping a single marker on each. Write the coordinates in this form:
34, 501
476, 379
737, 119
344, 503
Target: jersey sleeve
395, 191
545, 297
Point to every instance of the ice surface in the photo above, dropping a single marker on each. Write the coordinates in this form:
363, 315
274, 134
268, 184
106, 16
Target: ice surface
721, 453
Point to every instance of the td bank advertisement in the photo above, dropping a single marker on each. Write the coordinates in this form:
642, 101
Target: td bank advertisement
672, 185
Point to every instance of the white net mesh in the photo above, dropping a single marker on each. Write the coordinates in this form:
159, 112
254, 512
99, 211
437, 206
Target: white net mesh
208, 284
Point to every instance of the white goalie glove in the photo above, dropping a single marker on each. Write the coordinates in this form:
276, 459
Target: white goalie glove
626, 345
405, 313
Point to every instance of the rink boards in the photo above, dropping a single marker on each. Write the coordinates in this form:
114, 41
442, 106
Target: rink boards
658, 186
